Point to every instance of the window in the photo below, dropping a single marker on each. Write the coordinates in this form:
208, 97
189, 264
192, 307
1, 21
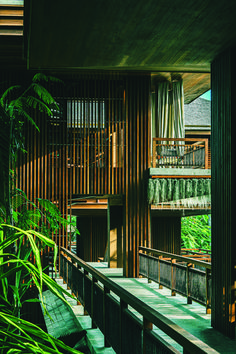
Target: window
85, 114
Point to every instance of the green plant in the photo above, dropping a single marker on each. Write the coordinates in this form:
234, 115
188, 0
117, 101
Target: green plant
20, 223
42, 215
17, 276
196, 232
17, 105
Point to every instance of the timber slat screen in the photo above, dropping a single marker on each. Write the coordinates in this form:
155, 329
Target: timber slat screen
180, 153
121, 328
185, 275
96, 144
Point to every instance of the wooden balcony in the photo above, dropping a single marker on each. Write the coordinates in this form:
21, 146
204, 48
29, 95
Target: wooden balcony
180, 153
180, 176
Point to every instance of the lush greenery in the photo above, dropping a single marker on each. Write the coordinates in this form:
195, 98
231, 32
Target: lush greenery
196, 232
17, 106
18, 275
25, 229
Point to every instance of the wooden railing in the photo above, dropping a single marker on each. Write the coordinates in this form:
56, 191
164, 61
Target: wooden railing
199, 253
184, 274
109, 305
180, 153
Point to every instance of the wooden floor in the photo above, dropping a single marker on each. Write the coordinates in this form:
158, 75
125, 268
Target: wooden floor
192, 318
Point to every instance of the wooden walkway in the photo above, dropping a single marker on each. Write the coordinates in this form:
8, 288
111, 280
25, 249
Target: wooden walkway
192, 318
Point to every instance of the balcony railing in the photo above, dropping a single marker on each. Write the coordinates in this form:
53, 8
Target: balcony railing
188, 275
109, 306
180, 153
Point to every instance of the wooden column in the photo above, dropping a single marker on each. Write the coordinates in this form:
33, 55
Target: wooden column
223, 192
137, 154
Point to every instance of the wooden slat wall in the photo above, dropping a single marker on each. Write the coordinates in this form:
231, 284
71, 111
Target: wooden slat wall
96, 146
223, 193
105, 154
166, 234
93, 231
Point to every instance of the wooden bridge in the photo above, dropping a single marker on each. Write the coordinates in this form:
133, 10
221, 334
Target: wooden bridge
136, 316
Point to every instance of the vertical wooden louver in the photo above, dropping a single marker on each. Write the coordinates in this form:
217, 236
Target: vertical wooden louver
97, 144
95, 126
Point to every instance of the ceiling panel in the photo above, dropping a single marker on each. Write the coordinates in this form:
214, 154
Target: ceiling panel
150, 35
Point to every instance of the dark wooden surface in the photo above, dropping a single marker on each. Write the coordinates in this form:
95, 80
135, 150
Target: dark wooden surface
223, 193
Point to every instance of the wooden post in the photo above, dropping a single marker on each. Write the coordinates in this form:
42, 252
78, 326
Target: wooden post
159, 273
146, 326
206, 154
208, 309
94, 280
105, 293
123, 307
189, 299
148, 258
153, 153
85, 274
173, 280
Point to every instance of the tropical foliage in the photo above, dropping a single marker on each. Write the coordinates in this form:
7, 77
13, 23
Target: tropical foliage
17, 106
196, 232
25, 228
17, 275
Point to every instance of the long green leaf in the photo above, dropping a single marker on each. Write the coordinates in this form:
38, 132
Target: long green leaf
5, 98
40, 77
9, 240
30, 331
19, 107
49, 206
44, 95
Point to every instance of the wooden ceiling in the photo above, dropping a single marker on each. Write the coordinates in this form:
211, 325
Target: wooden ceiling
195, 84
147, 35
162, 37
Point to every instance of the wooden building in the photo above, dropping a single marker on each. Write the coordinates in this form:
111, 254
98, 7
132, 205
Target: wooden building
94, 157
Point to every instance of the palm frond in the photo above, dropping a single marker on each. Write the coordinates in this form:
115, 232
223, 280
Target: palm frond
49, 206
18, 200
6, 96
40, 77
44, 95
37, 103
19, 108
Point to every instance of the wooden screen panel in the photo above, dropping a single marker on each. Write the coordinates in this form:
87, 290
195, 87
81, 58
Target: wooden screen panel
103, 150
166, 234
95, 135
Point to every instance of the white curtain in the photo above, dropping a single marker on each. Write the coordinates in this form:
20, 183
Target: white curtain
177, 111
168, 111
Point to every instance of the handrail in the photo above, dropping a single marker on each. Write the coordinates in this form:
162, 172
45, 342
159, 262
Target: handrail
197, 250
190, 343
196, 142
152, 261
176, 257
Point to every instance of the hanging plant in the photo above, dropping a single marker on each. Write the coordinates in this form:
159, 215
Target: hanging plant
157, 186
150, 193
